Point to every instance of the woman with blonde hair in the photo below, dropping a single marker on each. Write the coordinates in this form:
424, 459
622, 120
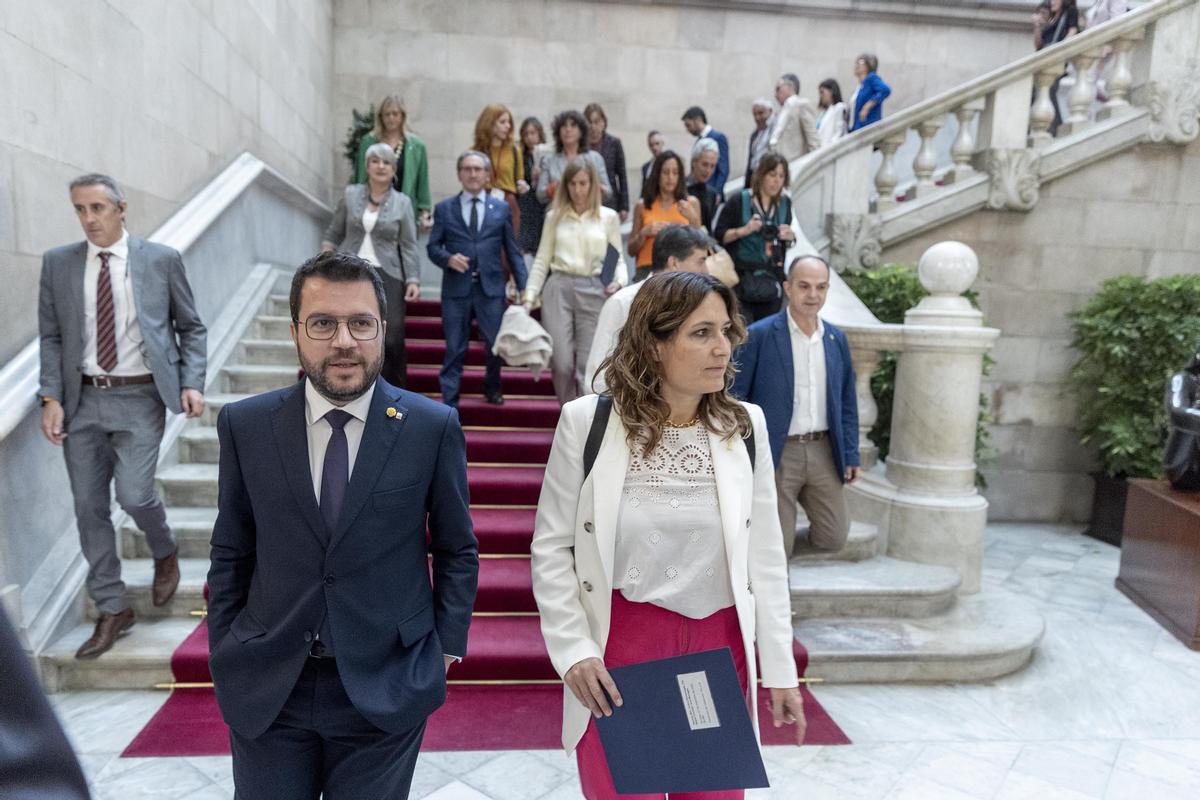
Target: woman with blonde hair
494, 136
412, 161
669, 544
579, 238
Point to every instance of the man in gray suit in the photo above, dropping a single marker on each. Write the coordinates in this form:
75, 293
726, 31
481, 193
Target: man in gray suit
121, 341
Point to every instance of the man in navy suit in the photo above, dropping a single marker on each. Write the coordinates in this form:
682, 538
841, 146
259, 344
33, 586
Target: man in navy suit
329, 635
797, 368
696, 122
471, 231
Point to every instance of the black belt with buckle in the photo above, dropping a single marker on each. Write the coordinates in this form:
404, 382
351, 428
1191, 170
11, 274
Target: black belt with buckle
814, 436
113, 381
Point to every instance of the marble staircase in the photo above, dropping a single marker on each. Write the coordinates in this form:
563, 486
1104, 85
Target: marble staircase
861, 614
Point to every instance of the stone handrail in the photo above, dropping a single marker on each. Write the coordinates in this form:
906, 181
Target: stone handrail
20, 376
836, 187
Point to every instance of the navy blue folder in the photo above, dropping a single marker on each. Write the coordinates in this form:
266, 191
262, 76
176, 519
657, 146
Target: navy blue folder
684, 727
609, 269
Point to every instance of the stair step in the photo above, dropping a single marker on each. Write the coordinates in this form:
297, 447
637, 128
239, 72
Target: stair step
518, 413
138, 574
433, 351
505, 585
138, 660
501, 531
984, 636
192, 527
861, 544
199, 445
513, 380
196, 485
213, 403
281, 352
258, 378
509, 447
879, 587
272, 326
508, 648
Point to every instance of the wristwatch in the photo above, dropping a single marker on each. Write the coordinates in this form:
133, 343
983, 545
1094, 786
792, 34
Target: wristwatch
48, 399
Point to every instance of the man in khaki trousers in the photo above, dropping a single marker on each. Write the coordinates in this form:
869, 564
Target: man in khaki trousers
797, 368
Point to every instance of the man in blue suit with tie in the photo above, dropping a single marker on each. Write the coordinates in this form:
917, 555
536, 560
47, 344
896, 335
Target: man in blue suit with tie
330, 629
797, 368
696, 122
471, 231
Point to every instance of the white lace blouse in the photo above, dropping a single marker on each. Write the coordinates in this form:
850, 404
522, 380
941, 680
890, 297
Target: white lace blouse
670, 550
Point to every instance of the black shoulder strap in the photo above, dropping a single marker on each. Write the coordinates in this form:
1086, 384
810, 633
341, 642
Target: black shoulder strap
595, 438
596, 433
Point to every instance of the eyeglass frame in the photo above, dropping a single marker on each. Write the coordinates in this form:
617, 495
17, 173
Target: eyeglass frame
340, 322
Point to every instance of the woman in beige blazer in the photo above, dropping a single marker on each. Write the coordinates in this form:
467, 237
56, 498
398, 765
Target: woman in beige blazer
672, 530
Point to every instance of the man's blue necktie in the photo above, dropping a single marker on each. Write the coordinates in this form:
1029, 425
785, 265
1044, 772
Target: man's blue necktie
335, 474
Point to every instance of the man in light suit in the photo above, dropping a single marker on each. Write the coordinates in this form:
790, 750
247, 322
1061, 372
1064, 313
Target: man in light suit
797, 368
696, 122
470, 231
120, 342
794, 128
329, 641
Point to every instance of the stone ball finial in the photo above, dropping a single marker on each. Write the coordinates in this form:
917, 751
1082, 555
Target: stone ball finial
948, 268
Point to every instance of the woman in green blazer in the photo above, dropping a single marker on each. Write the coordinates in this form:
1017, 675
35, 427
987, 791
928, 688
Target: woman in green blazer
412, 163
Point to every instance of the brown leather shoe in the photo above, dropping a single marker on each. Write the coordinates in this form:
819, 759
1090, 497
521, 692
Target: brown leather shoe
108, 629
166, 578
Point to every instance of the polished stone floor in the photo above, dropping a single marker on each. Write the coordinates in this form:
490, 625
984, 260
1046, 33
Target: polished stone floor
1109, 708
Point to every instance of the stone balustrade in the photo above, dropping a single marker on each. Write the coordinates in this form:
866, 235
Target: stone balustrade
996, 128
924, 500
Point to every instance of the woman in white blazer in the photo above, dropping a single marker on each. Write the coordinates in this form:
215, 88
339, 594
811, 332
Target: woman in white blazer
831, 121
670, 544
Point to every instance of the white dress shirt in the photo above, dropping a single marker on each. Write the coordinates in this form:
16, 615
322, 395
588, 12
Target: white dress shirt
612, 318
464, 201
316, 406
367, 251
670, 548
809, 402
129, 334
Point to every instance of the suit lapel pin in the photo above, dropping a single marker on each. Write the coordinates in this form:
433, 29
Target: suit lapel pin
394, 414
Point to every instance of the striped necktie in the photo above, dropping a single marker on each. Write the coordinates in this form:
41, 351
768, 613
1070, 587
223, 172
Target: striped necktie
106, 317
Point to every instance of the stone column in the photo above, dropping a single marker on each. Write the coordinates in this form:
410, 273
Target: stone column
937, 515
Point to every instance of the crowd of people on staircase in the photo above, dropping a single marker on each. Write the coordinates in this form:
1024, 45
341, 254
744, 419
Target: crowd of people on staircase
536, 225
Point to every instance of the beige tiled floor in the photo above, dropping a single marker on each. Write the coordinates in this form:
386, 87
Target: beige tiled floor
1109, 708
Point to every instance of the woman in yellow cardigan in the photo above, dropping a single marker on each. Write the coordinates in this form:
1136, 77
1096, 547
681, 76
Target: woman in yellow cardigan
412, 162
494, 135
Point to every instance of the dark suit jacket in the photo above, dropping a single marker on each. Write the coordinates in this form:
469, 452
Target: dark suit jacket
495, 235
765, 378
36, 762
273, 577
721, 175
174, 340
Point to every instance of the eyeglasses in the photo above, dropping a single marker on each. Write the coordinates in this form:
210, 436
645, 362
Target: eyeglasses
323, 328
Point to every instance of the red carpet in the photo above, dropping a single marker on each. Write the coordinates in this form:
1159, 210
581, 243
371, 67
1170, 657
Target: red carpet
507, 448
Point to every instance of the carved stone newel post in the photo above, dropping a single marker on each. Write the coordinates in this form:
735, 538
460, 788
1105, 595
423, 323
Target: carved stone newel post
937, 515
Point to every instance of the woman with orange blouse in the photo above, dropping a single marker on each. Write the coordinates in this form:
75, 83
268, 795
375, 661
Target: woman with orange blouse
664, 202
494, 136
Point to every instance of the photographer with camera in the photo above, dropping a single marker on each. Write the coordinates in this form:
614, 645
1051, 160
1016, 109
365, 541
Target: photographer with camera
755, 228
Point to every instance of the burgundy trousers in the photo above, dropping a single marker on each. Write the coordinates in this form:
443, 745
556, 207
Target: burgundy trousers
644, 632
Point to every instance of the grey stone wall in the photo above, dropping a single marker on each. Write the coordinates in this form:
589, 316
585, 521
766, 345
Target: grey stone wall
1137, 213
645, 63
161, 95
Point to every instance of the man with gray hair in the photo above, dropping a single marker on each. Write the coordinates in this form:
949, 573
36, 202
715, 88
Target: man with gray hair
470, 231
705, 153
121, 342
794, 129
762, 111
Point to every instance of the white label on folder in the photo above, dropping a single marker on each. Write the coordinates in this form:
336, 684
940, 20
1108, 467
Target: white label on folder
698, 701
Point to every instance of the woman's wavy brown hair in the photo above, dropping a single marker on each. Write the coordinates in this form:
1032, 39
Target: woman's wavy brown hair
634, 375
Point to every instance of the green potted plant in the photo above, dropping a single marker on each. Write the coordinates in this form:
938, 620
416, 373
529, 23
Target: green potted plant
1130, 337
363, 123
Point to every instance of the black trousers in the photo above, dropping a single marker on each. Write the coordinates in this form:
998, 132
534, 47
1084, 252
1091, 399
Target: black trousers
320, 746
395, 359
